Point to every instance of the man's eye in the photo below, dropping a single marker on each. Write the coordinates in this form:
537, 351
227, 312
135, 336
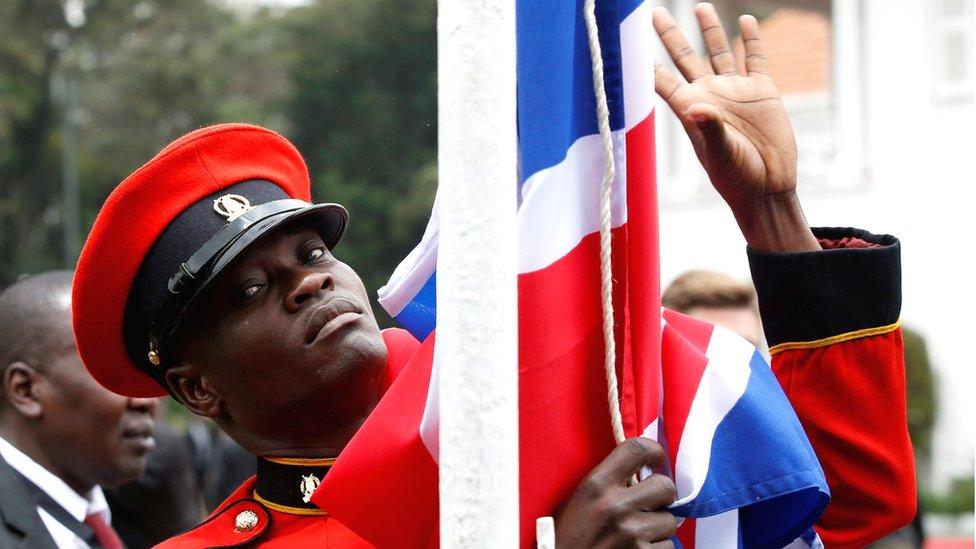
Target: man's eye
251, 290
313, 254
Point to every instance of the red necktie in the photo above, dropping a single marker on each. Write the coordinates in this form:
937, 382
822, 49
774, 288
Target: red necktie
104, 533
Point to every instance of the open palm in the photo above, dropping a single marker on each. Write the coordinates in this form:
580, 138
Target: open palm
737, 123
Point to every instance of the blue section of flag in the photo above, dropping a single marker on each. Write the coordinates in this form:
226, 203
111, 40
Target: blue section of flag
749, 448
419, 317
625, 7
811, 538
556, 106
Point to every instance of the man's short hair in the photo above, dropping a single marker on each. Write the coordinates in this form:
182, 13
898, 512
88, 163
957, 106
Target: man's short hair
707, 289
34, 318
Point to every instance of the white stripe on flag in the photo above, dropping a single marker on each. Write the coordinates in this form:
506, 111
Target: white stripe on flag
723, 383
653, 432
561, 204
430, 424
414, 271
718, 532
637, 55
800, 543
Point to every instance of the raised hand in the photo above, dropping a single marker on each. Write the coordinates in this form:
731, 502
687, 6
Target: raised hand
738, 127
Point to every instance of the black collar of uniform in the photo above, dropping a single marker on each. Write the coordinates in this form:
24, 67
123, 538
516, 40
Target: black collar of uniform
286, 484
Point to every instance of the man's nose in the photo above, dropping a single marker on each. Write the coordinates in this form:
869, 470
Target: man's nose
309, 285
147, 405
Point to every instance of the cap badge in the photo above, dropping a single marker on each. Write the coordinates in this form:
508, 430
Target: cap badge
232, 206
245, 521
308, 486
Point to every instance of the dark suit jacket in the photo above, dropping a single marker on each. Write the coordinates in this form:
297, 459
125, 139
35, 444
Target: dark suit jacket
20, 525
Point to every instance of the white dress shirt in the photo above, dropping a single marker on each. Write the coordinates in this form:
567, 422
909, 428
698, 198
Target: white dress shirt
75, 504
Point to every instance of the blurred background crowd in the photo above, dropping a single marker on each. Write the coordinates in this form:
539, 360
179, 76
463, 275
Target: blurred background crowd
880, 93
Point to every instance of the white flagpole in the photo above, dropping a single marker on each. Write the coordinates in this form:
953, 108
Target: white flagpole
477, 343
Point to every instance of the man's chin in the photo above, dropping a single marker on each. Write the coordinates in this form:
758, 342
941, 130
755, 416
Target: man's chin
355, 349
125, 470
347, 393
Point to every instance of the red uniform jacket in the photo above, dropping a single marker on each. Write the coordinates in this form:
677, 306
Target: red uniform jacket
832, 321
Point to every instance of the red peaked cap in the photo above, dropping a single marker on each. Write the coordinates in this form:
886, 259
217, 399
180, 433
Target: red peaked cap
164, 234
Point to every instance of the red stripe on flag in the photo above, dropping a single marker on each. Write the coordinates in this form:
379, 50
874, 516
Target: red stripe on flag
353, 491
686, 534
643, 339
694, 331
563, 418
683, 343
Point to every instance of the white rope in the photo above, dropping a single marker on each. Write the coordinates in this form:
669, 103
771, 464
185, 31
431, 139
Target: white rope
609, 171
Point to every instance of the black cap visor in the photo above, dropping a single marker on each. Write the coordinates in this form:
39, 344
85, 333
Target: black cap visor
197, 274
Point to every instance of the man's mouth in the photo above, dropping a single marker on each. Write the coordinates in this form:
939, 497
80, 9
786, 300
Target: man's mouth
140, 436
329, 317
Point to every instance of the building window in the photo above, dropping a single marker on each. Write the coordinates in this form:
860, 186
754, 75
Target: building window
822, 97
953, 24
798, 48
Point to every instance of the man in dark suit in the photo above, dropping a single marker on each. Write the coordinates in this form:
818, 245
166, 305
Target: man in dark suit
62, 435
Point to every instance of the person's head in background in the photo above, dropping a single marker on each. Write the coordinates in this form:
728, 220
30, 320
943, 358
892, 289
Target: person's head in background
51, 409
717, 298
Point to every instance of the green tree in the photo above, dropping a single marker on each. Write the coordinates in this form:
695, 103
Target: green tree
920, 383
141, 70
363, 112
36, 41
351, 82
957, 500
182, 65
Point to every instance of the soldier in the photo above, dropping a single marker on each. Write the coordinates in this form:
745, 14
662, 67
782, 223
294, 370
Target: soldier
63, 435
209, 275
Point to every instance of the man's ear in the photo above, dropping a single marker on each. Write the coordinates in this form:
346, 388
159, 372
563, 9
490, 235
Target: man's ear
20, 386
193, 390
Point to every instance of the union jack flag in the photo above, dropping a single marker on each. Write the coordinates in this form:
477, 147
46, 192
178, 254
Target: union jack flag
745, 473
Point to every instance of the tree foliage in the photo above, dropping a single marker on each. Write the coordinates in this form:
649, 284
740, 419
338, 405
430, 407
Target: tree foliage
363, 111
351, 82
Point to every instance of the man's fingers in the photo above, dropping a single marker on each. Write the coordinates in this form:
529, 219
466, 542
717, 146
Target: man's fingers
629, 456
651, 494
720, 151
712, 128
681, 52
651, 527
717, 44
665, 82
755, 53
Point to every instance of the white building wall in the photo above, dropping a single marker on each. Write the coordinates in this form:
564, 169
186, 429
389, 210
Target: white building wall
918, 184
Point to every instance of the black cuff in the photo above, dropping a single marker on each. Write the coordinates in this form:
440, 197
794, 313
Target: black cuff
810, 296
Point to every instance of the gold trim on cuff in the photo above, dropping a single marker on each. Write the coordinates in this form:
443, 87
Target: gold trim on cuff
857, 334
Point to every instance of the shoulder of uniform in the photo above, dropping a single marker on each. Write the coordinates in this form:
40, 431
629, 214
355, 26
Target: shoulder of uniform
238, 523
